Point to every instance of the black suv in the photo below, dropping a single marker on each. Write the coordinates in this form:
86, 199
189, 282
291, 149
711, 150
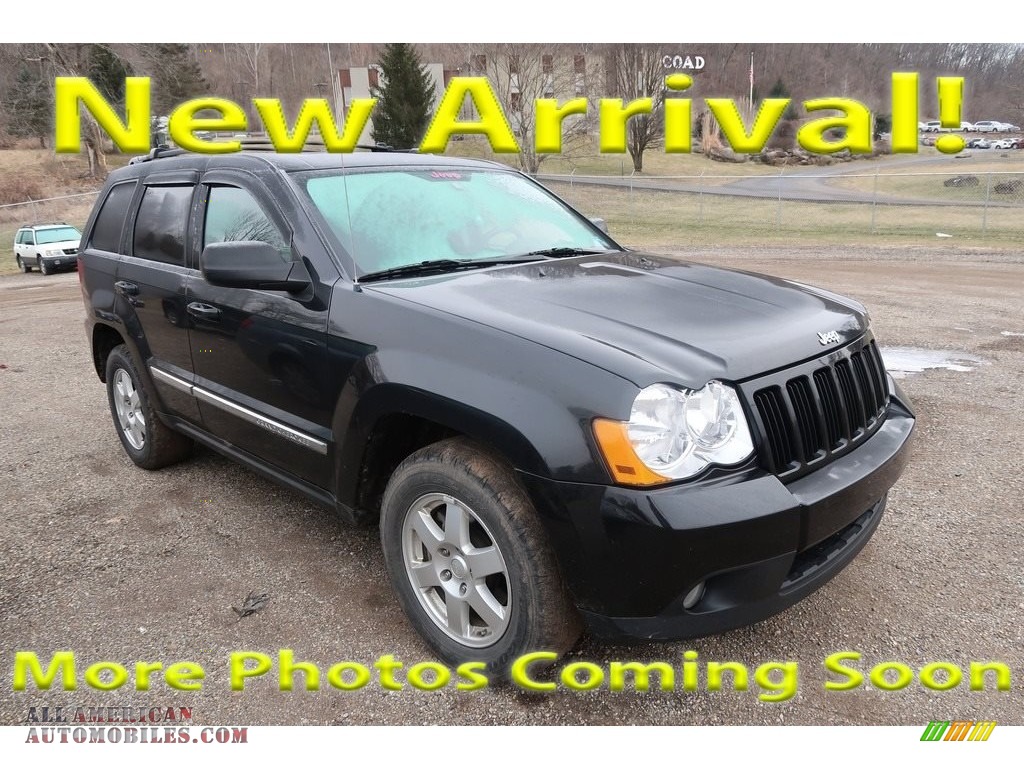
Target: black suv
553, 431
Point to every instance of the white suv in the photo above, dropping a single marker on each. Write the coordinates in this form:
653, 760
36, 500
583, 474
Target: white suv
50, 247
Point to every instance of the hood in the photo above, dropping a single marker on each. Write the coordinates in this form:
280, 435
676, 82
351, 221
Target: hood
649, 318
60, 244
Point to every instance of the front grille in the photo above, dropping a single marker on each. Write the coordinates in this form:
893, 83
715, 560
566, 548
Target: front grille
807, 415
70, 251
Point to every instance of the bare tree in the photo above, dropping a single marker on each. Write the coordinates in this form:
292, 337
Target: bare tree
521, 73
250, 55
636, 72
71, 60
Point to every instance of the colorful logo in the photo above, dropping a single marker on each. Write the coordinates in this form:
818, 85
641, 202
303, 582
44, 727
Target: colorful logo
958, 730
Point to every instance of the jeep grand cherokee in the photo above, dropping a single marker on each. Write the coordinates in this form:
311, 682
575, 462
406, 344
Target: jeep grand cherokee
553, 431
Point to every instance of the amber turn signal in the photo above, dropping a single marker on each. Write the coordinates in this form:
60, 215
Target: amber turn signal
625, 466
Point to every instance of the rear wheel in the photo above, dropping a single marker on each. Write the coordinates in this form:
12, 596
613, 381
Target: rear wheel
148, 441
22, 265
470, 560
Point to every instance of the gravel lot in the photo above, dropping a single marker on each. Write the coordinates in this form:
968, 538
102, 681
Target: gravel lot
115, 563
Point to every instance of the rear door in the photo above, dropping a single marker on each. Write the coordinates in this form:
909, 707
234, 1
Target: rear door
260, 356
150, 285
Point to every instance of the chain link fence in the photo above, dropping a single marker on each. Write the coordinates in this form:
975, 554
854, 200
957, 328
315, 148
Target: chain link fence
969, 207
787, 205
66, 209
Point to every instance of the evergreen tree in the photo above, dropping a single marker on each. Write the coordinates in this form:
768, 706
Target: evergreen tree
404, 98
107, 72
28, 106
779, 91
177, 77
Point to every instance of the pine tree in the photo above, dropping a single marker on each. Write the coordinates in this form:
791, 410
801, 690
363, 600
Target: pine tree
107, 72
28, 106
404, 98
779, 91
177, 77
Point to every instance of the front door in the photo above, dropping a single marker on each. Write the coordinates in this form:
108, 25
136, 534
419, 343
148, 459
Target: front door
260, 357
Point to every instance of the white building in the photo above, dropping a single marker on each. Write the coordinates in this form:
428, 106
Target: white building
359, 82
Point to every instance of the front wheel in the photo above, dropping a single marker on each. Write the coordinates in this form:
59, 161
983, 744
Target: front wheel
42, 265
470, 560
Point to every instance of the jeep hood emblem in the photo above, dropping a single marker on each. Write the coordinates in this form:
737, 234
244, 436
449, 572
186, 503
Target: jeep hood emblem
828, 337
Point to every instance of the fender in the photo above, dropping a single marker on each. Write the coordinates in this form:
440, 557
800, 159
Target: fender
392, 398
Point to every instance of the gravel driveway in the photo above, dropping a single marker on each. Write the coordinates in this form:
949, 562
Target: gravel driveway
119, 564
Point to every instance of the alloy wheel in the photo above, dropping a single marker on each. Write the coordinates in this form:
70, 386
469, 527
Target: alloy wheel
129, 410
456, 570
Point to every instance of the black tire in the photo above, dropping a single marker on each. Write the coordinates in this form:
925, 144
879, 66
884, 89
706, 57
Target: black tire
541, 615
42, 265
160, 445
23, 265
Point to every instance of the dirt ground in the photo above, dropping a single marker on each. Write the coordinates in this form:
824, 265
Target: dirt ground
119, 564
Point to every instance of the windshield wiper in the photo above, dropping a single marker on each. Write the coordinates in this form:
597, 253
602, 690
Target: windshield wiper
560, 251
440, 266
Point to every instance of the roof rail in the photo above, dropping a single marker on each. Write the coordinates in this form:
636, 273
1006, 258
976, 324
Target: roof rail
264, 144
156, 153
380, 146
313, 143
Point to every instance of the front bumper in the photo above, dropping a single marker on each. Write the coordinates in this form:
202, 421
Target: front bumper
630, 556
61, 262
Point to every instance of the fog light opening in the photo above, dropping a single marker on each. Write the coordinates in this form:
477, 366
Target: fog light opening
694, 596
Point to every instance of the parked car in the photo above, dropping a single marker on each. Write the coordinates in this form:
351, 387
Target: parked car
987, 126
935, 126
46, 247
979, 143
551, 431
1002, 144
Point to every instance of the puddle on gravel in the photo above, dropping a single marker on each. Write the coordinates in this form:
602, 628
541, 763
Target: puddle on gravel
904, 361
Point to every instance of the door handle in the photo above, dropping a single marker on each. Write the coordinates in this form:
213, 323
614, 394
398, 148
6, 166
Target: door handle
203, 311
125, 288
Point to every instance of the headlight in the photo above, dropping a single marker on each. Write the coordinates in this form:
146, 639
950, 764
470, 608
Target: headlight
674, 433
54, 252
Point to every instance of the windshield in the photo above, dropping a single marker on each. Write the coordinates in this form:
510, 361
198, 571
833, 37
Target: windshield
56, 235
393, 218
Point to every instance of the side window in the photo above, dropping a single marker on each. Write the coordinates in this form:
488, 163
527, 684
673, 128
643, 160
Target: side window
233, 214
161, 224
20, 238
106, 233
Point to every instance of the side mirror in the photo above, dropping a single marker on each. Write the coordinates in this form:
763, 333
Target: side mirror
600, 224
251, 264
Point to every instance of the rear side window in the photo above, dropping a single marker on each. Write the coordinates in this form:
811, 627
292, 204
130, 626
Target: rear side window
161, 224
106, 234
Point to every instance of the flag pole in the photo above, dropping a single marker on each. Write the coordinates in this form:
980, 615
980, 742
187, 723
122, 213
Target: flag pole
751, 101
